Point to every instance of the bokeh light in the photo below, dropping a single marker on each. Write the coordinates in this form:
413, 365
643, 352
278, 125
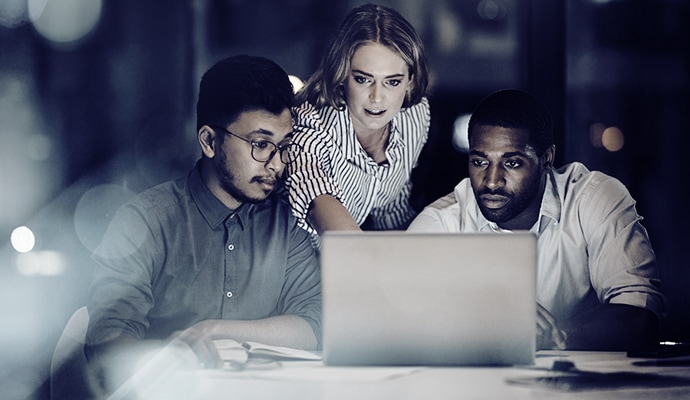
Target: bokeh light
12, 13
612, 139
43, 263
297, 83
595, 132
65, 22
23, 239
460, 141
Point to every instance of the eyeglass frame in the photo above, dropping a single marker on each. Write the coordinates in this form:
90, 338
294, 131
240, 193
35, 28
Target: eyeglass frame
255, 143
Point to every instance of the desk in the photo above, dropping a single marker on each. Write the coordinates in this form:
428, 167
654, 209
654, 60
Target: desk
307, 380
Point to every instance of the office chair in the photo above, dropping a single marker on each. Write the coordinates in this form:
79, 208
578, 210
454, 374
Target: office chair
68, 368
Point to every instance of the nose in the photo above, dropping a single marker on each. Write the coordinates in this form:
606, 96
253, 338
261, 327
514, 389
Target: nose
274, 163
494, 177
376, 93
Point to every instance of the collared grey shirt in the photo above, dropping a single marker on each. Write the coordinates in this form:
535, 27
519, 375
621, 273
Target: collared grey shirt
175, 255
592, 246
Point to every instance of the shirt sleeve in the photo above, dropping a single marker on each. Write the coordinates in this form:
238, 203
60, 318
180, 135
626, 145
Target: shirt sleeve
301, 294
440, 216
397, 214
309, 175
622, 264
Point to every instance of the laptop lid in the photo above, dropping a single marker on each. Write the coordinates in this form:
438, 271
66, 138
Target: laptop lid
404, 298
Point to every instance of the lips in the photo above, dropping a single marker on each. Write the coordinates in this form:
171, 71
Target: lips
374, 113
266, 183
494, 200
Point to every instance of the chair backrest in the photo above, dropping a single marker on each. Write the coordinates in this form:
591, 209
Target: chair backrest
68, 368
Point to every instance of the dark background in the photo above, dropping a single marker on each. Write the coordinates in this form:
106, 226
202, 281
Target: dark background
89, 120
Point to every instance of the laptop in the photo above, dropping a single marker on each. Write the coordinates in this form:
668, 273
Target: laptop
404, 298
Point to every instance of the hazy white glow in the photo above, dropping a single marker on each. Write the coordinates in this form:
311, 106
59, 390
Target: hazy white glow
296, 83
612, 139
460, 141
12, 13
45, 263
39, 147
64, 21
491, 10
23, 239
94, 211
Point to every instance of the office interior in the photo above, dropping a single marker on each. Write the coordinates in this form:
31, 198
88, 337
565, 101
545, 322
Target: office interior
97, 103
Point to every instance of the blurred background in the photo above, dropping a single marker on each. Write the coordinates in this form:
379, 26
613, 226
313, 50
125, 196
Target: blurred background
97, 103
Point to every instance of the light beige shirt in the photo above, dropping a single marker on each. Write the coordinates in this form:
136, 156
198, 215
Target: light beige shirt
592, 246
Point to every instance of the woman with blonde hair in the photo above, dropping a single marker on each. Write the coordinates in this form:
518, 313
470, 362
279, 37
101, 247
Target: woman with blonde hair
362, 121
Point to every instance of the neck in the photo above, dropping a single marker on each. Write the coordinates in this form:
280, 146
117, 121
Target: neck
375, 143
529, 216
212, 182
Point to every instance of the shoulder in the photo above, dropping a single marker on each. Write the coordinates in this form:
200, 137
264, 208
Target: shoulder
313, 123
307, 113
444, 213
162, 196
576, 182
419, 114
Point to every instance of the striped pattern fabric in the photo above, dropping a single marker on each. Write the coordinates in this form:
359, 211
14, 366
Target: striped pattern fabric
333, 162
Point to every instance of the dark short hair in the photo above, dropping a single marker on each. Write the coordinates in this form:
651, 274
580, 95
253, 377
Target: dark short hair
512, 108
242, 83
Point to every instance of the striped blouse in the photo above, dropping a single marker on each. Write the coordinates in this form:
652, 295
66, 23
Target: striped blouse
333, 162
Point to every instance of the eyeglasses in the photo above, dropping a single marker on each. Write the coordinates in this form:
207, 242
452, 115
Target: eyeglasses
264, 150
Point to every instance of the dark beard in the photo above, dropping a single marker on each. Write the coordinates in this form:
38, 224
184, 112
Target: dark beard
227, 180
517, 204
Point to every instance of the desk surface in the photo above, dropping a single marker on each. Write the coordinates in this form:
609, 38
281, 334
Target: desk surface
306, 380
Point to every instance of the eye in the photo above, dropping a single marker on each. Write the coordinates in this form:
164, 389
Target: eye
394, 82
478, 162
513, 164
360, 79
262, 144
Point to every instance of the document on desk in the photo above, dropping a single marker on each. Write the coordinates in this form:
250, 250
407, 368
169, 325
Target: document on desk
262, 361
234, 351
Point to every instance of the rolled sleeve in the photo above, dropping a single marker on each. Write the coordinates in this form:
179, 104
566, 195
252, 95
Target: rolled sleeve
623, 267
302, 288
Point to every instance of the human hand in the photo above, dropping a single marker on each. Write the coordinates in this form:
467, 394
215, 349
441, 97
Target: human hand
549, 335
199, 337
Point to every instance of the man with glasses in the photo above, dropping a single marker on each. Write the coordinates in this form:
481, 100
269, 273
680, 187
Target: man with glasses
216, 254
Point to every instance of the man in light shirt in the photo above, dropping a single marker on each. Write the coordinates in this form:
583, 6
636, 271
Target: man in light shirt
597, 281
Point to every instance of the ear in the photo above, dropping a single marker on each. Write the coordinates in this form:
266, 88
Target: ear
409, 88
208, 141
549, 157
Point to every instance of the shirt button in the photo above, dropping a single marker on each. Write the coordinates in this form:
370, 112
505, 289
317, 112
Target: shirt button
228, 295
231, 247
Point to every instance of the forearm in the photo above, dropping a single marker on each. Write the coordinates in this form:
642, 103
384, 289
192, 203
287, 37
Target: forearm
326, 213
613, 327
281, 330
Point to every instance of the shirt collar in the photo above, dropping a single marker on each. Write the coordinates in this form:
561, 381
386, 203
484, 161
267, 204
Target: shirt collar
351, 145
212, 209
550, 206
550, 203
